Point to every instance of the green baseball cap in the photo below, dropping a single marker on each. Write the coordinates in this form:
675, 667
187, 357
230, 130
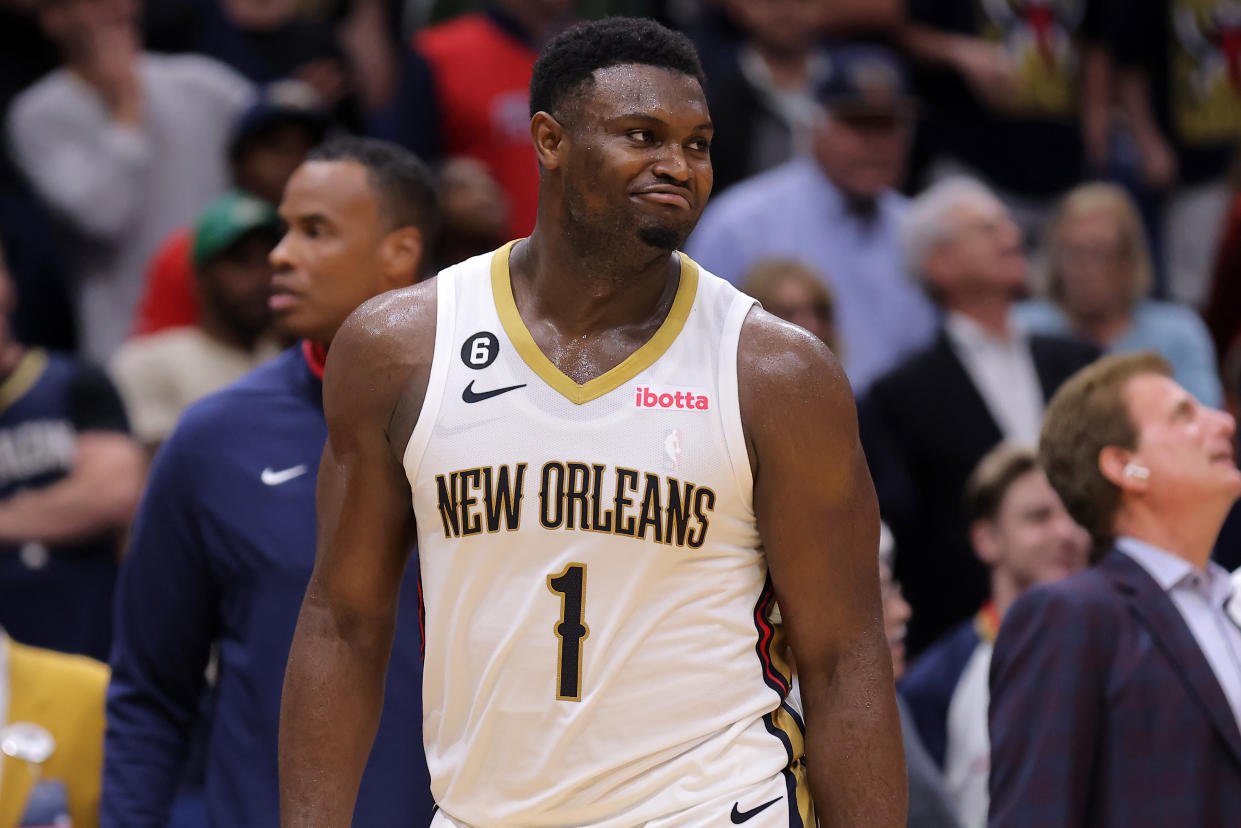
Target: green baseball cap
224, 221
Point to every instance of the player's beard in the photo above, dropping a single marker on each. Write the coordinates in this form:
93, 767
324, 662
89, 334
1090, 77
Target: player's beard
661, 238
594, 231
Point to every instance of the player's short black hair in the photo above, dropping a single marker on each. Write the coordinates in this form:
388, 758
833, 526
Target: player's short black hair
570, 59
404, 185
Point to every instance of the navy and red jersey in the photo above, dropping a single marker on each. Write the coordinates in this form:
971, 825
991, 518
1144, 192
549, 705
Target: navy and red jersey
222, 551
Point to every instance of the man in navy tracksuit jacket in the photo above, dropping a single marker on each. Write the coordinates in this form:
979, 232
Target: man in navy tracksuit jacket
224, 542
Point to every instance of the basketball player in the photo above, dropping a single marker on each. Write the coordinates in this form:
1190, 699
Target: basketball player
616, 464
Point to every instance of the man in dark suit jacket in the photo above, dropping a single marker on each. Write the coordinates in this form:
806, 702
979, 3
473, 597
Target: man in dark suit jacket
1116, 692
927, 423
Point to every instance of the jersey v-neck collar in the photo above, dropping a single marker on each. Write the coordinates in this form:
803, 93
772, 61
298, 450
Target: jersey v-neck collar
28, 371
634, 364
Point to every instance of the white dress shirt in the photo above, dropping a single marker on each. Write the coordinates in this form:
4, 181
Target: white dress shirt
1201, 598
1003, 372
967, 754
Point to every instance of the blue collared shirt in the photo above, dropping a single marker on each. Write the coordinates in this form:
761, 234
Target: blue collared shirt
1201, 598
796, 212
1176, 332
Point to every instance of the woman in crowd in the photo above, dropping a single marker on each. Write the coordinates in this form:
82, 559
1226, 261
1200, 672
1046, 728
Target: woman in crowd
794, 292
1098, 274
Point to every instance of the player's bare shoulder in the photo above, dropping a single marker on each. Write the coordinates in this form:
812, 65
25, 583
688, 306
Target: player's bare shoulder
788, 379
380, 360
778, 357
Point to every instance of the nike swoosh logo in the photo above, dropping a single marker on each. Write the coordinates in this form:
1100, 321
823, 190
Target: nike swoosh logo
275, 478
471, 396
739, 817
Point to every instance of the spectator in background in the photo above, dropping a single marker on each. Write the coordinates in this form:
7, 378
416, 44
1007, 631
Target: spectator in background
764, 109
1020, 530
266, 41
124, 144
269, 140
928, 801
1179, 87
1098, 278
465, 92
928, 422
26, 232
1116, 692
49, 694
795, 293
837, 212
224, 542
1017, 90
1223, 310
473, 209
70, 477
160, 374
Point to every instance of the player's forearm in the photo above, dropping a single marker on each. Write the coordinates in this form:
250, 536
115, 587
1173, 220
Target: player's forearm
854, 752
333, 697
70, 510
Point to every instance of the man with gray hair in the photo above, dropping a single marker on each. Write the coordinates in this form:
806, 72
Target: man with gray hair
836, 210
928, 422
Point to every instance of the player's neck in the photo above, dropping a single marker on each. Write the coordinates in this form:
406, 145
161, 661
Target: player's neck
587, 291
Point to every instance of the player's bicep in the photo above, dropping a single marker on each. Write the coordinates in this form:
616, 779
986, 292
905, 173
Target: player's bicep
813, 497
366, 527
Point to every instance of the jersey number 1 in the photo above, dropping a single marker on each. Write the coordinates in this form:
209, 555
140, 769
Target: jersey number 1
571, 630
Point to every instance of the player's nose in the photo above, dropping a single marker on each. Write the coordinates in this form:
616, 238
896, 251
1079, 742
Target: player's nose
672, 164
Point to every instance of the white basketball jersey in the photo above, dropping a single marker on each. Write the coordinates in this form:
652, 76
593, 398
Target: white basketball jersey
600, 649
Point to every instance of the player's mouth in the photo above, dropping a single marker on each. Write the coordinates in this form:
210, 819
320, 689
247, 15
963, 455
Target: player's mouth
666, 194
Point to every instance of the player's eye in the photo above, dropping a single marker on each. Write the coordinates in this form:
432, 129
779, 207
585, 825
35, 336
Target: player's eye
641, 136
700, 145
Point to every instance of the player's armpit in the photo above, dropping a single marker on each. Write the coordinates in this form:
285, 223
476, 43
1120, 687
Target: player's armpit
333, 693
819, 524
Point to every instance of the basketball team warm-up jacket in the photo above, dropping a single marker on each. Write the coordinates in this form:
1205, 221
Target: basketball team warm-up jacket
222, 552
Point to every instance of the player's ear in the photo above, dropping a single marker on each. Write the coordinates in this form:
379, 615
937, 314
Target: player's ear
402, 252
550, 139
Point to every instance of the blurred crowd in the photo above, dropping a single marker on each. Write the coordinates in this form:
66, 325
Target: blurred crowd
969, 200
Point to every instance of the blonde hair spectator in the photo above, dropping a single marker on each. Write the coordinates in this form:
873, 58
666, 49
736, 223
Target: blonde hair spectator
794, 292
1131, 252
1097, 271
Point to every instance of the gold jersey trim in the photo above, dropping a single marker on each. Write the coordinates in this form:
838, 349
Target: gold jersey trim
23, 378
610, 380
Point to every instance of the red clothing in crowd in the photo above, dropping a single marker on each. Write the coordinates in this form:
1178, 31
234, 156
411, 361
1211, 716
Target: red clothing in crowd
481, 75
1223, 311
169, 298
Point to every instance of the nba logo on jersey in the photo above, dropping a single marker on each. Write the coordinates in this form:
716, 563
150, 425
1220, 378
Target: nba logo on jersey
672, 450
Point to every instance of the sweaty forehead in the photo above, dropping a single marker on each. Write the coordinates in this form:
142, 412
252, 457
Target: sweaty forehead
631, 88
